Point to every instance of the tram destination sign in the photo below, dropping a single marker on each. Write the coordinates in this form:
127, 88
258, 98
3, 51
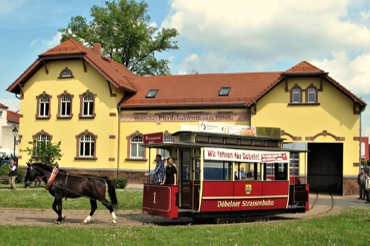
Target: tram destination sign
153, 138
221, 154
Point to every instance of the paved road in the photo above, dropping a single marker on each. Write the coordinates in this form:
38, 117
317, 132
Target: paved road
45, 217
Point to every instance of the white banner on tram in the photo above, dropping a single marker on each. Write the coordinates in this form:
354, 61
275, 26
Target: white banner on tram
220, 154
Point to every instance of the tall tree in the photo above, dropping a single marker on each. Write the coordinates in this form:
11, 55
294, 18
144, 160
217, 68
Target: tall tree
123, 29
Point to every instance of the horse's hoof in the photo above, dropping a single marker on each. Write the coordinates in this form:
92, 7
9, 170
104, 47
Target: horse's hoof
114, 223
85, 222
64, 217
57, 222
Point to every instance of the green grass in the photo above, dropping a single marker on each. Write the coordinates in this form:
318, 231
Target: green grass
41, 198
348, 228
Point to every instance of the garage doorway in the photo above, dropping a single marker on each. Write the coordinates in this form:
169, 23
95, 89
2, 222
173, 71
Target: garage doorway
325, 167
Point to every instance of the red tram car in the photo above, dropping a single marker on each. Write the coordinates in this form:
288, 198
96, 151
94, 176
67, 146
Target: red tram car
210, 182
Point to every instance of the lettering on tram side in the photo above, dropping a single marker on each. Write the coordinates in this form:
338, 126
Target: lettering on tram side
262, 202
225, 154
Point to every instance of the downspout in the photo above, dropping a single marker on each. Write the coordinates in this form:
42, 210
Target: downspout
360, 143
118, 139
249, 114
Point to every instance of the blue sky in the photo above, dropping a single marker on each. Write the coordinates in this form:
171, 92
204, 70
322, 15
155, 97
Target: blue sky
216, 36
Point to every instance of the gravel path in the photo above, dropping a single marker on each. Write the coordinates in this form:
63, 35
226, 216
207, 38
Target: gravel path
46, 217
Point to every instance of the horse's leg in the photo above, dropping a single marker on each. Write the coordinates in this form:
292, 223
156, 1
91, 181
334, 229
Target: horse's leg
58, 207
55, 208
94, 206
110, 207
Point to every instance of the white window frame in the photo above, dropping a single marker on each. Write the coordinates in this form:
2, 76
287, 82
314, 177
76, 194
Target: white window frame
88, 104
66, 102
85, 141
135, 146
44, 106
296, 92
311, 92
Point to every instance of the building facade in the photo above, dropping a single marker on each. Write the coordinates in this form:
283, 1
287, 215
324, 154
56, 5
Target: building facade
9, 122
100, 111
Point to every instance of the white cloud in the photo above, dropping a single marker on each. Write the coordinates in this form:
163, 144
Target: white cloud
261, 34
354, 74
12, 104
54, 42
365, 15
33, 42
7, 7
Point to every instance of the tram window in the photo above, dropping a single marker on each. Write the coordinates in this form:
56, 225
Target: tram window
217, 170
281, 171
165, 153
245, 141
259, 142
217, 140
269, 171
244, 171
294, 164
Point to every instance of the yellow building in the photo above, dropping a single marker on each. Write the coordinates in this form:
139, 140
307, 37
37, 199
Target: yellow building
100, 111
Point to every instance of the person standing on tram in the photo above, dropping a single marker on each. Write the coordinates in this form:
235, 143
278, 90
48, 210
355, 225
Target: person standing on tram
171, 173
250, 173
159, 171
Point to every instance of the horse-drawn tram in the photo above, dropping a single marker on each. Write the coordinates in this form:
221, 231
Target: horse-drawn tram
233, 171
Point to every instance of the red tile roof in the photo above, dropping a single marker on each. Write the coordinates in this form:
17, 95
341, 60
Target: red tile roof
181, 90
201, 89
304, 67
3, 106
13, 117
114, 72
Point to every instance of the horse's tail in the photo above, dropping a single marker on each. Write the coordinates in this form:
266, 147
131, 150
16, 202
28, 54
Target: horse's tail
111, 191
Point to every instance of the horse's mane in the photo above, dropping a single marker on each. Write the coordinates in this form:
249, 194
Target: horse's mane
46, 167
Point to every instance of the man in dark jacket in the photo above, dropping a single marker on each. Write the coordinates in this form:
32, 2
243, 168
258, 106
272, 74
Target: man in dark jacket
12, 173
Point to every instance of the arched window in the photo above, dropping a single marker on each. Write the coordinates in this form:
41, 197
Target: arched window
87, 146
43, 137
41, 140
296, 94
136, 150
87, 105
311, 95
65, 73
43, 106
65, 105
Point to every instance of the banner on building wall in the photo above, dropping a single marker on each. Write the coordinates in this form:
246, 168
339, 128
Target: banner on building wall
153, 138
221, 154
242, 130
212, 127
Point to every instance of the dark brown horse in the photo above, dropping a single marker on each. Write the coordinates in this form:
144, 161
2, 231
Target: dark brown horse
74, 186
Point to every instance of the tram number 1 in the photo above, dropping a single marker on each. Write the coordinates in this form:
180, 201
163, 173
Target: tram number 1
154, 197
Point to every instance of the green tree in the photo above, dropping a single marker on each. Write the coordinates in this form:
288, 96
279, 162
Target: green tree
124, 32
44, 152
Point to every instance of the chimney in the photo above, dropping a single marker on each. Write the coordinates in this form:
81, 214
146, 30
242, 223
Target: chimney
97, 48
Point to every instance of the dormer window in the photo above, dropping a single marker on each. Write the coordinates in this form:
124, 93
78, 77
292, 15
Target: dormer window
65, 73
224, 91
311, 94
296, 94
152, 93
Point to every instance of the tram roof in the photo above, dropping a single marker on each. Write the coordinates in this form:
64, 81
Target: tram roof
228, 135
192, 145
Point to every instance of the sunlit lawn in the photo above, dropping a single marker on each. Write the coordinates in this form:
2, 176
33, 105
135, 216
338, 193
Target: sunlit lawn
348, 228
40, 198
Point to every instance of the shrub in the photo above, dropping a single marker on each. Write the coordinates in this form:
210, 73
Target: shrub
19, 178
120, 183
4, 170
